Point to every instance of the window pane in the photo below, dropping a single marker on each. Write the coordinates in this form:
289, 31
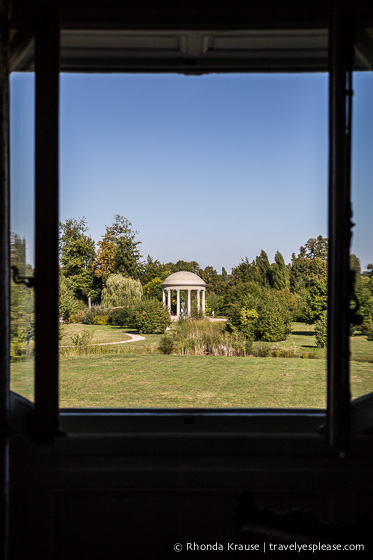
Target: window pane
224, 176
361, 364
22, 126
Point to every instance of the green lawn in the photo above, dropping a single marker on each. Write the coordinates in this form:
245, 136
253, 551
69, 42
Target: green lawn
101, 333
133, 375
191, 381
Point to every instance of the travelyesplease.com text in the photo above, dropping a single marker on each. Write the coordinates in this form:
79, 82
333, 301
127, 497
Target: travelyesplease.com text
267, 547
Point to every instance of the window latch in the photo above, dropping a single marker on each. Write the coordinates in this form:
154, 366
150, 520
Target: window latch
28, 281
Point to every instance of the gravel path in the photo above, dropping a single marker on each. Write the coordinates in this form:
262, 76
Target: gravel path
134, 338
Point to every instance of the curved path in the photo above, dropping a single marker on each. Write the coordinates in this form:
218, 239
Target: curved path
134, 338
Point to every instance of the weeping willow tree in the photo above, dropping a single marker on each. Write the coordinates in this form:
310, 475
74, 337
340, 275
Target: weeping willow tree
121, 291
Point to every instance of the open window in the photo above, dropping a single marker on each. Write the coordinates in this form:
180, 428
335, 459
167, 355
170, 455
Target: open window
194, 52
34, 62
361, 194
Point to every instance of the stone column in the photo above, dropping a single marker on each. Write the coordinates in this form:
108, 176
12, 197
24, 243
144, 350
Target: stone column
178, 302
203, 301
198, 299
164, 296
169, 300
189, 304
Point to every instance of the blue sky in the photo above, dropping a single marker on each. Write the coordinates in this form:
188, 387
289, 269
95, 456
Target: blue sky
209, 168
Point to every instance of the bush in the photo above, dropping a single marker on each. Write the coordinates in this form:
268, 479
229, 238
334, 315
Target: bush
104, 319
234, 318
274, 321
77, 317
167, 344
321, 333
262, 351
268, 319
199, 337
84, 339
124, 317
151, 317
97, 315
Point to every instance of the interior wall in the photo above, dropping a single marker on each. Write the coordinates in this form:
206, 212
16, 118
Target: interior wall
134, 496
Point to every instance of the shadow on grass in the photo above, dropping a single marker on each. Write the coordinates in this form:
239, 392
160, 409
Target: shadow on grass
303, 333
362, 359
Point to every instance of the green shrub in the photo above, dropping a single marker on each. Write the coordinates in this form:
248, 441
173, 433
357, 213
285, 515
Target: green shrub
248, 322
244, 320
321, 332
104, 319
124, 317
97, 315
198, 337
83, 339
77, 317
367, 327
262, 351
267, 319
151, 317
274, 321
167, 344
234, 318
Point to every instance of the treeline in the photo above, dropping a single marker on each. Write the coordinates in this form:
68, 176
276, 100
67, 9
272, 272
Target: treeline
261, 299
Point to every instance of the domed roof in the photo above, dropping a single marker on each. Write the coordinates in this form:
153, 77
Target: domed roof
183, 278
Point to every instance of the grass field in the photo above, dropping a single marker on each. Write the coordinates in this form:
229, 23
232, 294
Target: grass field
101, 333
135, 375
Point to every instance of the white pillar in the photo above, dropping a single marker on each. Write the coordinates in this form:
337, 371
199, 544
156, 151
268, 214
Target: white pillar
178, 302
189, 305
198, 299
169, 300
164, 296
203, 301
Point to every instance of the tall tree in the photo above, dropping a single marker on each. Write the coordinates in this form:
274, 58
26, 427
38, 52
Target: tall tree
315, 248
118, 251
153, 269
104, 262
262, 262
188, 266
369, 271
77, 253
280, 273
213, 280
245, 272
121, 291
127, 256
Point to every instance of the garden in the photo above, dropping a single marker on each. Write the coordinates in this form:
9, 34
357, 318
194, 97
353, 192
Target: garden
94, 373
261, 340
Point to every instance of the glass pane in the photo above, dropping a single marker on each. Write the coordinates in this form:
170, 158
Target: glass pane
361, 364
224, 176
22, 318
